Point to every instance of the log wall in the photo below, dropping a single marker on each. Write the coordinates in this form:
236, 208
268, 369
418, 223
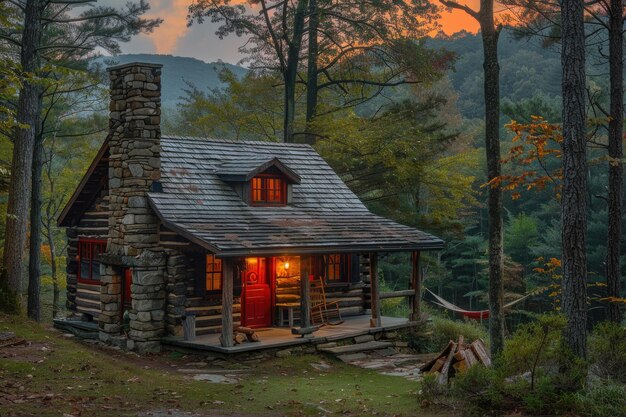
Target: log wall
94, 224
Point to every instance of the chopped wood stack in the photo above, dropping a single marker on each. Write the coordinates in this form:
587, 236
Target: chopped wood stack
457, 357
244, 334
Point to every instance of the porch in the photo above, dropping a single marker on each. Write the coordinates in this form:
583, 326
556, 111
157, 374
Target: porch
281, 337
295, 274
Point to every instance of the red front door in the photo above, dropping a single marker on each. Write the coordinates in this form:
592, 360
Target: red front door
257, 309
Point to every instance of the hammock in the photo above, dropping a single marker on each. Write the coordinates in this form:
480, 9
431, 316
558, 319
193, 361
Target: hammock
476, 315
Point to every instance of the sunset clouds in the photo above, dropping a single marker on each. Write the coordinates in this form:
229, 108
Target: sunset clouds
199, 41
174, 26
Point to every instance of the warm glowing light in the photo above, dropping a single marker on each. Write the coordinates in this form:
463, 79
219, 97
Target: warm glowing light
286, 265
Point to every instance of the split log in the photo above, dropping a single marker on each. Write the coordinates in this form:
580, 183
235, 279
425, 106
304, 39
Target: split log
444, 353
478, 347
253, 337
438, 366
244, 330
239, 338
457, 358
470, 358
250, 333
460, 366
443, 378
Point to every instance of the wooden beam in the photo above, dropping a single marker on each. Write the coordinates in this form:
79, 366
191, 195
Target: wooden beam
305, 297
416, 286
375, 321
227, 303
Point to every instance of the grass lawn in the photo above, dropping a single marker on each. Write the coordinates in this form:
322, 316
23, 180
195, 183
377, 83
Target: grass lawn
59, 376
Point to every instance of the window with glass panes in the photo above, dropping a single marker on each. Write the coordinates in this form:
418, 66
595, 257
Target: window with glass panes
88, 265
333, 268
213, 273
268, 190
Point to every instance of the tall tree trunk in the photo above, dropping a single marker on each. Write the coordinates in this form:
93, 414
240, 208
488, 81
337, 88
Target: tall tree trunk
34, 259
616, 134
312, 75
573, 201
491, 68
492, 147
291, 71
28, 115
53, 269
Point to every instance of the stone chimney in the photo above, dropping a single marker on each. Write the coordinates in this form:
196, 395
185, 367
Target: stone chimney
134, 163
133, 244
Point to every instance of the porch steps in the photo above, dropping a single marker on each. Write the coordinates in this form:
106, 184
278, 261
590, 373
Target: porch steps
358, 347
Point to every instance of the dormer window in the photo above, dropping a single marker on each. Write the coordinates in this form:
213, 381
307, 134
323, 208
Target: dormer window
262, 181
268, 190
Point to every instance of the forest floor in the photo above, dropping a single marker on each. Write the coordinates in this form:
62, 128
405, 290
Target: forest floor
53, 374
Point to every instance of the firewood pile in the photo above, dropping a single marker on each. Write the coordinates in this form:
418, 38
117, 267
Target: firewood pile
457, 357
244, 334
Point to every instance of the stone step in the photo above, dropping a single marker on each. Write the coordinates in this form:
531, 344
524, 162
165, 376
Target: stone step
359, 347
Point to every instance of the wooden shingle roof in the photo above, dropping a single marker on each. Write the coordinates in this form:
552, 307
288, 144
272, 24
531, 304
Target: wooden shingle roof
323, 217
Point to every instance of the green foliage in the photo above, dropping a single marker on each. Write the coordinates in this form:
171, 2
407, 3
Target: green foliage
481, 388
400, 162
533, 347
430, 390
601, 400
527, 377
440, 331
249, 107
521, 235
607, 351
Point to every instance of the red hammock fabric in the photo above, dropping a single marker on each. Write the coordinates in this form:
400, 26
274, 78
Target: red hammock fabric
476, 315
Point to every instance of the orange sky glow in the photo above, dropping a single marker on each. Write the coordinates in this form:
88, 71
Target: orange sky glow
174, 37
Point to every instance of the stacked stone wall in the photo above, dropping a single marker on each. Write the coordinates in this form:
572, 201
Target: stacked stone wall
134, 165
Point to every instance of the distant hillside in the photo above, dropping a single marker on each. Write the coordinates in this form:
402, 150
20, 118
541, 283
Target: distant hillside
526, 69
178, 71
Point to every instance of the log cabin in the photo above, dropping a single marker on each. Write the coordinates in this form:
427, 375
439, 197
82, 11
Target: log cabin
232, 232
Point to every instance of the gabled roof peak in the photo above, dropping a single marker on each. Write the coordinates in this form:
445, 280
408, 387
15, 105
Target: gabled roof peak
244, 169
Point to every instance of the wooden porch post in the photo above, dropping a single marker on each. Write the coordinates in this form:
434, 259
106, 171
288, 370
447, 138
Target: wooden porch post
375, 321
227, 303
416, 285
305, 302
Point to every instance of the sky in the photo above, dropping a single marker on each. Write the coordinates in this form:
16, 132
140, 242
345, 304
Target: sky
173, 37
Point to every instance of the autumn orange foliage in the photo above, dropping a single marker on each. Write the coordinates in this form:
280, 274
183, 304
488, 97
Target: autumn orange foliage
536, 142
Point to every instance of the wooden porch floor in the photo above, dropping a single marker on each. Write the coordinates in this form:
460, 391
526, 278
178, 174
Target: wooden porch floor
277, 337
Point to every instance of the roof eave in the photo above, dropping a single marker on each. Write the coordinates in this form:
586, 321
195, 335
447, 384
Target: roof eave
303, 250
61, 220
182, 231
